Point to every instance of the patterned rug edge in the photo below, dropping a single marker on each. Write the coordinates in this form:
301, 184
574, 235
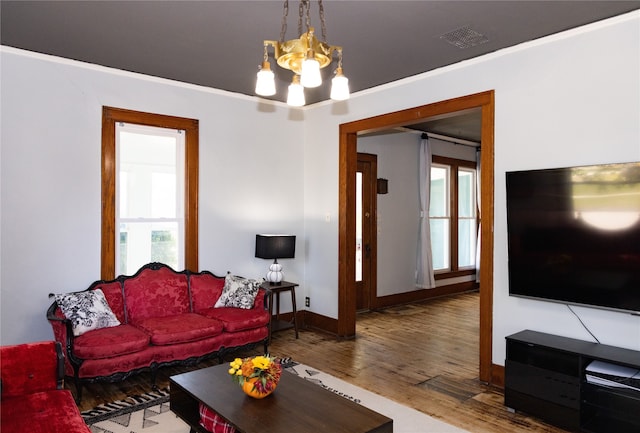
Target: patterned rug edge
312, 372
127, 405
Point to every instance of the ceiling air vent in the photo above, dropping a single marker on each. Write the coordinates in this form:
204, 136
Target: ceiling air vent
464, 37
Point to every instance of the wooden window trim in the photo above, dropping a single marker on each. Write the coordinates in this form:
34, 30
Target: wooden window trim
110, 116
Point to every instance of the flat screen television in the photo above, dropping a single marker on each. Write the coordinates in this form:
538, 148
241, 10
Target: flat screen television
574, 235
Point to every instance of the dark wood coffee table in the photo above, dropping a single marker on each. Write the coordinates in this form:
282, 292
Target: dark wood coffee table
297, 405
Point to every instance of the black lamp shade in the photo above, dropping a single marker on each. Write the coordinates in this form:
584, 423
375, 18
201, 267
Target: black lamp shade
275, 246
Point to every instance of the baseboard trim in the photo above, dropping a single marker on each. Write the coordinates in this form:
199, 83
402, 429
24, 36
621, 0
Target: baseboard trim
319, 322
497, 375
424, 294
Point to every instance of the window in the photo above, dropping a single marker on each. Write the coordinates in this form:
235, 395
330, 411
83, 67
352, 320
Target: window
453, 215
440, 216
149, 191
467, 224
149, 196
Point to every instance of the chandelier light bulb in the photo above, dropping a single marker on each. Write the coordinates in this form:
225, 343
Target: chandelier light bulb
310, 73
339, 86
295, 98
265, 83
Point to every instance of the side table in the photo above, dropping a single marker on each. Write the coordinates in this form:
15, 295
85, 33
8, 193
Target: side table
275, 289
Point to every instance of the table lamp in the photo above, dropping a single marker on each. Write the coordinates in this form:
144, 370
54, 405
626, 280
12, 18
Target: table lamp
275, 247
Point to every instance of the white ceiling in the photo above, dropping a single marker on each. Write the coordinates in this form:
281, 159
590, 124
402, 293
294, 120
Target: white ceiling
219, 43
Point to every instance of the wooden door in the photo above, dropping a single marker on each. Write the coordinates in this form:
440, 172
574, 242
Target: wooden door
366, 253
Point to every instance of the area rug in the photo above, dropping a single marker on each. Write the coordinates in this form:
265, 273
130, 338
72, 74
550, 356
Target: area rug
150, 413
405, 419
145, 413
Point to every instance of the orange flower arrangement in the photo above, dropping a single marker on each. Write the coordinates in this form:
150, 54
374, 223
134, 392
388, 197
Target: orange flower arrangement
262, 371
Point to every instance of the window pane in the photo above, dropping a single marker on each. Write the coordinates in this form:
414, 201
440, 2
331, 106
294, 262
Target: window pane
163, 195
123, 245
466, 194
148, 163
145, 242
358, 226
124, 197
440, 243
164, 244
438, 213
439, 200
467, 243
466, 222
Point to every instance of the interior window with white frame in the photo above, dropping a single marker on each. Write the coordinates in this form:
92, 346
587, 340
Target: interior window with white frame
467, 218
440, 216
150, 196
453, 215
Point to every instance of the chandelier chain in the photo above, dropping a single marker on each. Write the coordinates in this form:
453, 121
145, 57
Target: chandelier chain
305, 5
300, 15
308, 20
323, 25
285, 13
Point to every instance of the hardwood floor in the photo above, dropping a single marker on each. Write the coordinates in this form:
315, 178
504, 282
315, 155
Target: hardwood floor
422, 355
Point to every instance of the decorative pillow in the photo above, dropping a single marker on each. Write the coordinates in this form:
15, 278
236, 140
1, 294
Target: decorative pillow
87, 311
238, 292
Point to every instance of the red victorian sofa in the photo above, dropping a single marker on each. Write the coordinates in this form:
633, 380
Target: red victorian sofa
160, 317
33, 398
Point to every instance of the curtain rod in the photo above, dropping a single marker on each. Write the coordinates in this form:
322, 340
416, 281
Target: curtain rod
453, 140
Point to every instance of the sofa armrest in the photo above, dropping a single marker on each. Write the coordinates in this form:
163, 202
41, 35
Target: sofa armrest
262, 299
31, 367
63, 334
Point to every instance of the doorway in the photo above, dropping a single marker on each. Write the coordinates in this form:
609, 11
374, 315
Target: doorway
347, 230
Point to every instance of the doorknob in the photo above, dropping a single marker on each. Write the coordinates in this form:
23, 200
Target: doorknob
367, 250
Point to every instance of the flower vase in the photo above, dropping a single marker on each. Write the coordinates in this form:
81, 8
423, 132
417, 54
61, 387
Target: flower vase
249, 389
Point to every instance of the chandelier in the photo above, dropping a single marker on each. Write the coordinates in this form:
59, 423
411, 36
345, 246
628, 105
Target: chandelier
304, 57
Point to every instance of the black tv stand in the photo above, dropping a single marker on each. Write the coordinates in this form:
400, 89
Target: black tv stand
545, 376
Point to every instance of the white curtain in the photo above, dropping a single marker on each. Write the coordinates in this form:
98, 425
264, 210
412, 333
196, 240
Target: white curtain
424, 265
478, 189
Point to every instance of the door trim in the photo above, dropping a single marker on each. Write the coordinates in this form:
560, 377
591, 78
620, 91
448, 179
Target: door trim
485, 101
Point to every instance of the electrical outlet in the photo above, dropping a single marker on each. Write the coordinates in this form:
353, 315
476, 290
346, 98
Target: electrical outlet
307, 302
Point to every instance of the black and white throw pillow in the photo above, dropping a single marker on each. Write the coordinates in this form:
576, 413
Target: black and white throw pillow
87, 311
238, 292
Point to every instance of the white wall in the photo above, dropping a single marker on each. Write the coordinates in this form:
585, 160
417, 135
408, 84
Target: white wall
251, 178
568, 99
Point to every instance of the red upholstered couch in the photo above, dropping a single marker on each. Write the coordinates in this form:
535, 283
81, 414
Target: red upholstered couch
166, 318
33, 398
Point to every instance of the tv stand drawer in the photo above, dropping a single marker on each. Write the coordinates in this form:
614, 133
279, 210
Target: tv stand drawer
543, 357
605, 406
561, 416
548, 385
